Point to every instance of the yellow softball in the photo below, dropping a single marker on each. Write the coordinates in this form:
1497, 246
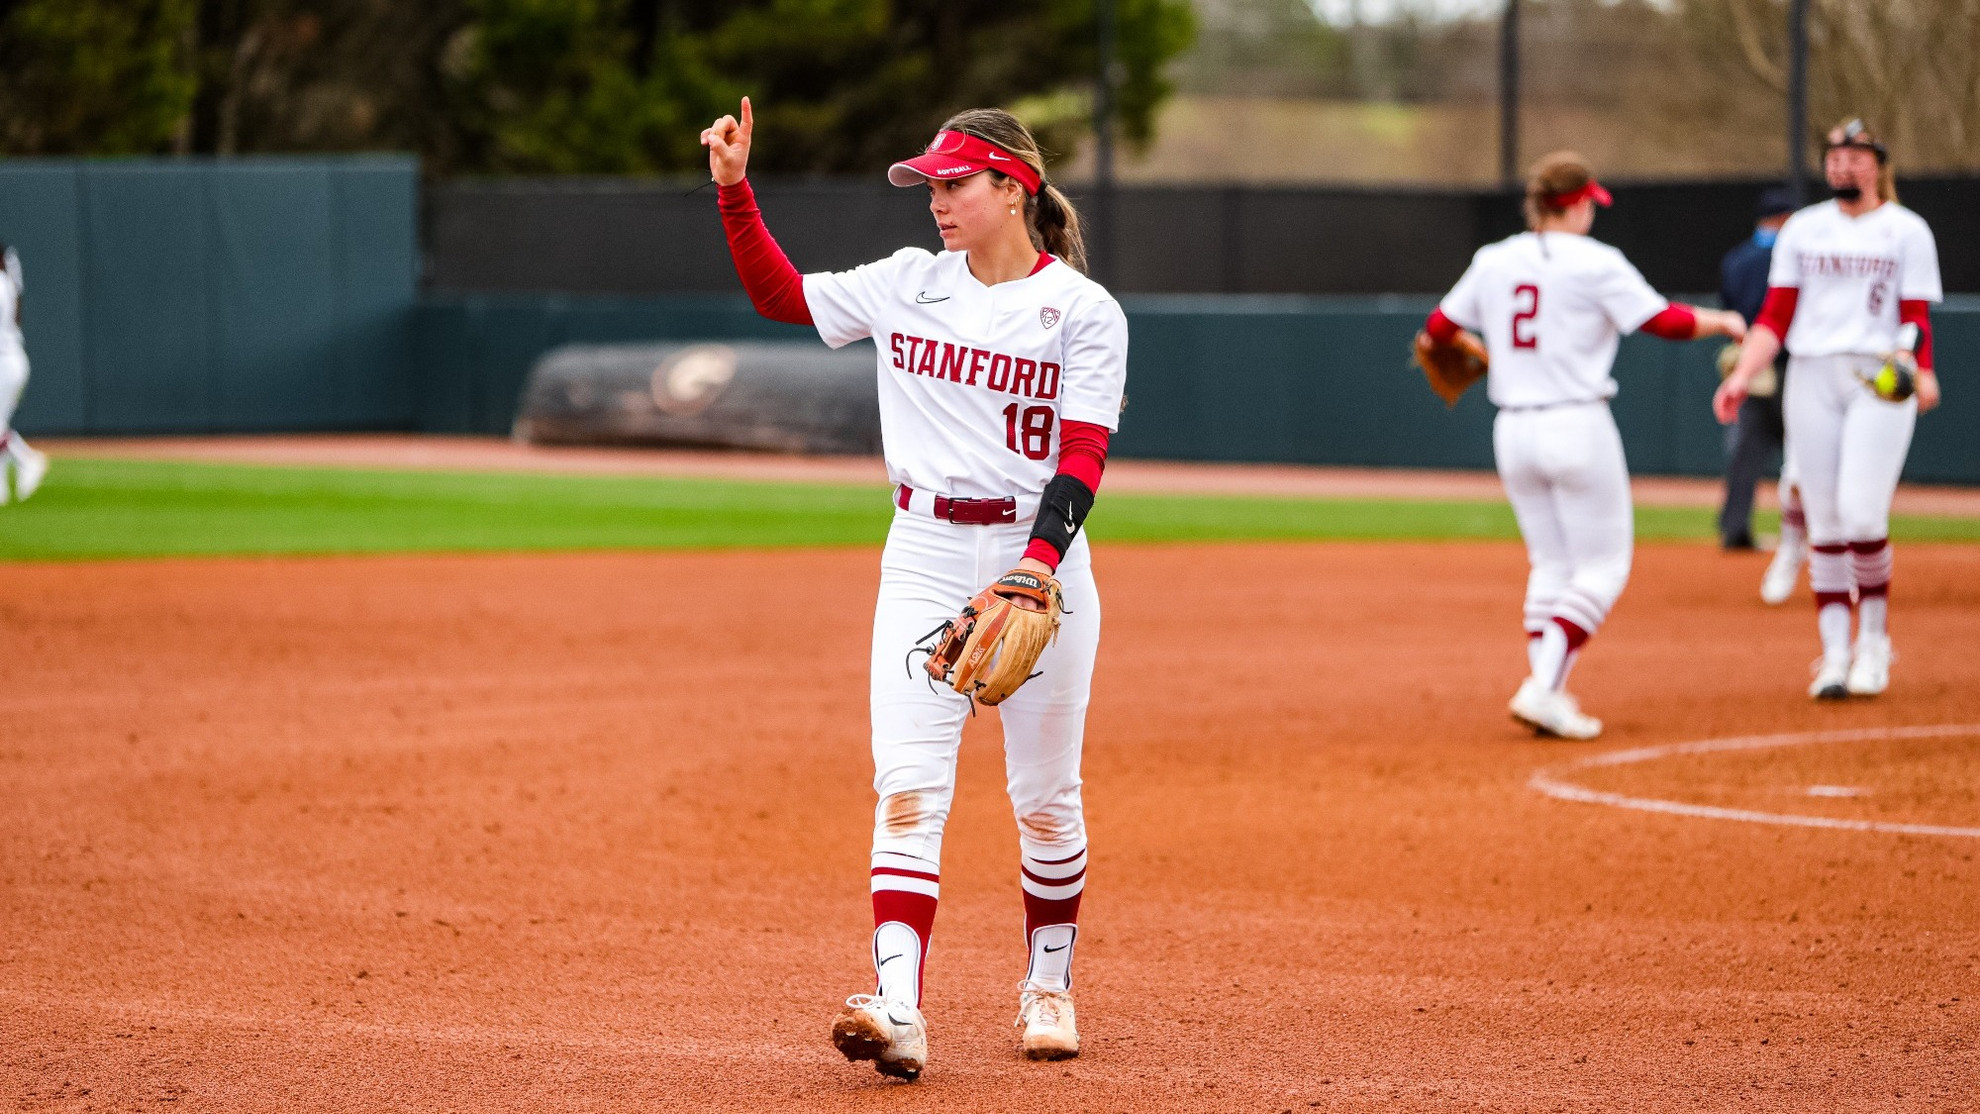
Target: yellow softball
1894, 382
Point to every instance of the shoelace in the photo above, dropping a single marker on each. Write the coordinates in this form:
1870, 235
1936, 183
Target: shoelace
1045, 1002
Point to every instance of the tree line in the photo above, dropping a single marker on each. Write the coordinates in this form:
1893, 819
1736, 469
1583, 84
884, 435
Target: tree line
559, 86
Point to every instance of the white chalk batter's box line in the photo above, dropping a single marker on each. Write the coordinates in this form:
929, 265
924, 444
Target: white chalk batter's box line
1553, 783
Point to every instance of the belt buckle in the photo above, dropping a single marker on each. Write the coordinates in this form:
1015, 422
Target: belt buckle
976, 512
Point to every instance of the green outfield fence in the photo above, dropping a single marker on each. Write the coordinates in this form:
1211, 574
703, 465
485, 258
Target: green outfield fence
266, 295
171, 296
1248, 378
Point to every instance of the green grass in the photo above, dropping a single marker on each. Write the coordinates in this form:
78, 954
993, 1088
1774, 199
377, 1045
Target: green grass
93, 508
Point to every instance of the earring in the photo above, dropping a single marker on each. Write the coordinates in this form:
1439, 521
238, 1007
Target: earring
1014, 210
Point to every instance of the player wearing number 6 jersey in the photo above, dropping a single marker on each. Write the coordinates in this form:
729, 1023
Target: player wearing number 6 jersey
1849, 292
1001, 369
1552, 305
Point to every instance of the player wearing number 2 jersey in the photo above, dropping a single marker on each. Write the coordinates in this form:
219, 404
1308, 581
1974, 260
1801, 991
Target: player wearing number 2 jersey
1552, 305
1001, 369
1851, 286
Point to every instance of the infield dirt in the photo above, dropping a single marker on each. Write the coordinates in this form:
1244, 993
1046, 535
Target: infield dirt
589, 832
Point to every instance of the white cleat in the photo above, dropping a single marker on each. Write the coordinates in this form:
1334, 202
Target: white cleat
1870, 665
1831, 679
1783, 572
1552, 713
893, 1036
1045, 1024
30, 468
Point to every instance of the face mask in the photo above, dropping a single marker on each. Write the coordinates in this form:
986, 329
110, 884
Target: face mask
1765, 237
1848, 193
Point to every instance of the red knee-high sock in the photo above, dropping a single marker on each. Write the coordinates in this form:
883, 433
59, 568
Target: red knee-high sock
1052, 889
1576, 639
1829, 574
1794, 523
1560, 643
906, 890
1870, 563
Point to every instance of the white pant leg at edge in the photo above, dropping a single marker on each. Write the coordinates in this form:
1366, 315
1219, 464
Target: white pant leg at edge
1591, 490
1514, 451
13, 380
927, 572
1876, 435
1045, 721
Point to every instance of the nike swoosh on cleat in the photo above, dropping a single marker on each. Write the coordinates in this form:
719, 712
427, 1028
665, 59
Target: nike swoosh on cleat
1062, 947
925, 300
890, 959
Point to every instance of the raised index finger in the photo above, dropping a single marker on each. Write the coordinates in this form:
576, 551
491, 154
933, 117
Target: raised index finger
748, 120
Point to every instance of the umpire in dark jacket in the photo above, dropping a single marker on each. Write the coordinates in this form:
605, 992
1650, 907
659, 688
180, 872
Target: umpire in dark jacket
1758, 433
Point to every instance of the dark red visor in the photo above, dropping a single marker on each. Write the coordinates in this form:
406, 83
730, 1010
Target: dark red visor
959, 155
1592, 189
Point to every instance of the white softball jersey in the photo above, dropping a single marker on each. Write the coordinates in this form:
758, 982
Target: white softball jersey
1852, 272
975, 379
1552, 308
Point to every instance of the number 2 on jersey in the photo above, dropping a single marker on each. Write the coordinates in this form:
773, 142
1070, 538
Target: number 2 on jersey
1523, 316
1029, 432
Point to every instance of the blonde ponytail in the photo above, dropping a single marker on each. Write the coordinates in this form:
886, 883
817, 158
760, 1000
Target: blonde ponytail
1055, 226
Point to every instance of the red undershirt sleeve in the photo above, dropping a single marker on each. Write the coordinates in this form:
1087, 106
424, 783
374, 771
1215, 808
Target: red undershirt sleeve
1918, 311
1083, 456
1676, 321
1777, 312
775, 287
1442, 329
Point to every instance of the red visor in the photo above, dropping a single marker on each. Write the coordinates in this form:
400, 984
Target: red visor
1592, 189
959, 155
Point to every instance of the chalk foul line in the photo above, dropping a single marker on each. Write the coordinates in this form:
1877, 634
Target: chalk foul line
1553, 781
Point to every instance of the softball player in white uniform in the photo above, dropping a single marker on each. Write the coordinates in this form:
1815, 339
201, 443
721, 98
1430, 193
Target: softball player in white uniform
1851, 287
28, 466
1001, 369
1551, 305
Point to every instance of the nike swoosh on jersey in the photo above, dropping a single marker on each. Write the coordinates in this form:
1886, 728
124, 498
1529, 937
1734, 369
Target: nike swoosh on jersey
925, 300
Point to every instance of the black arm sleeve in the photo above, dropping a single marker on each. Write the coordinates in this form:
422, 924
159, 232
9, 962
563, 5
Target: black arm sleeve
1061, 512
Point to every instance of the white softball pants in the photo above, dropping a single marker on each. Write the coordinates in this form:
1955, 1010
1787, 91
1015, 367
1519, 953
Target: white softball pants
13, 380
1564, 473
929, 569
1845, 447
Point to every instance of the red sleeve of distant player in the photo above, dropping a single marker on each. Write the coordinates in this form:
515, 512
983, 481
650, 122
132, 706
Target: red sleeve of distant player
1442, 329
1918, 311
1674, 322
774, 286
1777, 312
1083, 456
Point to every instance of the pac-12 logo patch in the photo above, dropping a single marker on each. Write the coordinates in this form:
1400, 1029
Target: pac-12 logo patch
1048, 317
